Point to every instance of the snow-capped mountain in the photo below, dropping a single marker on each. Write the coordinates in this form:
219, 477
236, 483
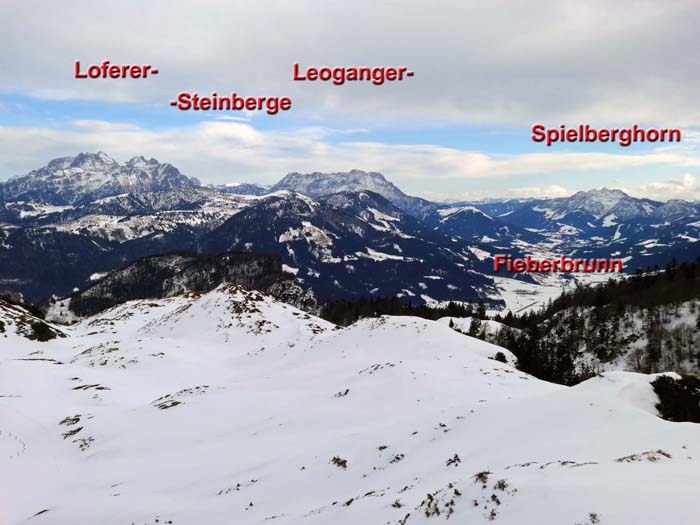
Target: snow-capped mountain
89, 215
243, 188
473, 225
321, 184
676, 209
90, 176
584, 209
231, 407
355, 244
605, 223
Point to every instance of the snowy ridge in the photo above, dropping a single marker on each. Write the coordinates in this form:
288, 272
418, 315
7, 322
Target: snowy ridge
446, 212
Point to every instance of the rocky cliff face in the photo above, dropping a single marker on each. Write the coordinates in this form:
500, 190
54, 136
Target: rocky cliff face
90, 176
321, 184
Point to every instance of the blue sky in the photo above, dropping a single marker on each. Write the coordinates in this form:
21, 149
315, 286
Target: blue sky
459, 129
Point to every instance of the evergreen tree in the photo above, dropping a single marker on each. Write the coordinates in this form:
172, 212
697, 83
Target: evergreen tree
474, 326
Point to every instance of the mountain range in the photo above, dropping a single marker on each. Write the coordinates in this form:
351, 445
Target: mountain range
341, 235
175, 371
322, 184
88, 177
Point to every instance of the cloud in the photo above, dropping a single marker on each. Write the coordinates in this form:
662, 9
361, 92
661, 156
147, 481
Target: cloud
551, 191
474, 61
236, 119
101, 125
537, 192
686, 187
8, 106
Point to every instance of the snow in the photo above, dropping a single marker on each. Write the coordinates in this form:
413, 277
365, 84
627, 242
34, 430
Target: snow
286, 194
96, 175
381, 256
379, 216
635, 389
604, 197
609, 220
548, 213
565, 229
482, 255
651, 243
490, 327
290, 269
648, 208
448, 212
679, 328
211, 213
59, 311
38, 209
320, 240
310, 232
617, 234
291, 234
522, 297
230, 407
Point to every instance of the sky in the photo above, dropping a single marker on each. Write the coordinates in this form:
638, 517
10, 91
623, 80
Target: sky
459, 129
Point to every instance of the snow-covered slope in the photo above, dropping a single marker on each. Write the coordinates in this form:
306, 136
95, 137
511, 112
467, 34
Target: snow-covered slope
19, 329
230, 407
489, 327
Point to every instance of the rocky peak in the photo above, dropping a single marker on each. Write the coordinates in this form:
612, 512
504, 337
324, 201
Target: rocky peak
90, 176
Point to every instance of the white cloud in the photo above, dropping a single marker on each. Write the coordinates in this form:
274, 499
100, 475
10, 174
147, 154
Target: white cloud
538, 192
9, 106
686, 187
236, 119
101, 125
551, 191
495, 62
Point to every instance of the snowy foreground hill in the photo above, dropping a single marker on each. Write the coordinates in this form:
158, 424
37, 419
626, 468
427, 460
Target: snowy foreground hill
229, 407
